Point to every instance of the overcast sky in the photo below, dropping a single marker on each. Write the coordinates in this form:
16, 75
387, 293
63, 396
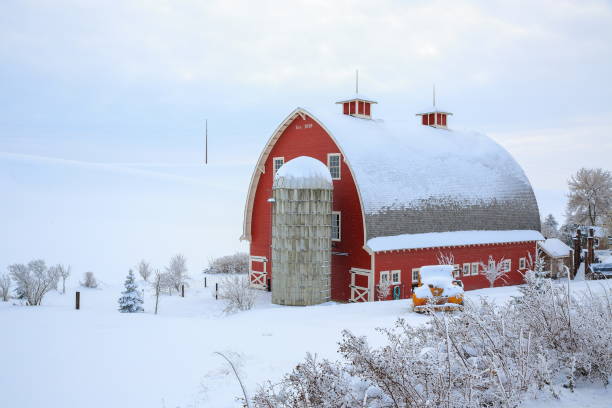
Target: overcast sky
102, 107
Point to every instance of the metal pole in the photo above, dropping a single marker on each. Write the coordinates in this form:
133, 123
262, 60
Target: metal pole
78, 300
206, 145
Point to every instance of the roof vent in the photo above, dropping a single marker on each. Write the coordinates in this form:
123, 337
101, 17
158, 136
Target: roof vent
357, 105
434, 116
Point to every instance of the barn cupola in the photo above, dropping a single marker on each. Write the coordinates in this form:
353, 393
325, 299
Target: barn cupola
434, 116
357, 105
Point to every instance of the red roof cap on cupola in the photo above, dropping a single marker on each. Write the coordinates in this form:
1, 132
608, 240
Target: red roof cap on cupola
434, 116
357, 105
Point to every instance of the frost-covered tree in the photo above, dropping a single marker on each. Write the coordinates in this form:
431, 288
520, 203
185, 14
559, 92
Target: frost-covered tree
590, 196
494, 270
177, 271
446, 258
5, 287
89, 280
236, 263
62, 272
33, 281
144, 270
131, 299
550, 227
383, 290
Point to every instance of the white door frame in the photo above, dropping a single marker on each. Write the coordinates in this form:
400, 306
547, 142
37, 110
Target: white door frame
361, 293
258, 279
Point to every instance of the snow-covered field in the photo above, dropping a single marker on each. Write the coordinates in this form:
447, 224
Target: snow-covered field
55, 356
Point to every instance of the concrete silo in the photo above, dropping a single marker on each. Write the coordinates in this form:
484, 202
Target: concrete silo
301, 233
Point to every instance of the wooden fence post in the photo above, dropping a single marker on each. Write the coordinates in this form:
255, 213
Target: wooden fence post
216, 291
182, 290
205, 282
78, 300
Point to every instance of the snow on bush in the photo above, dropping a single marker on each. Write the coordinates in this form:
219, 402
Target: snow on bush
131, 299
236, 291
89, 280
236, 263
176, 272
33, 280
383, 290
5, 287
487, 355
494, 270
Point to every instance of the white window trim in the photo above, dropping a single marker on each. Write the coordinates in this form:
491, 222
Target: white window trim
491, 265
522, 263
475, 270
469, 269
384, 274
507, 265
274, 159
339, 213
415, 270
329, 155
399, 277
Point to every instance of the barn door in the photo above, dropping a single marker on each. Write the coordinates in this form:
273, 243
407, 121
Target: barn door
360, 285
258, 272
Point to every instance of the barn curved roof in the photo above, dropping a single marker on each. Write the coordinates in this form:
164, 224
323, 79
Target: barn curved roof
417, 179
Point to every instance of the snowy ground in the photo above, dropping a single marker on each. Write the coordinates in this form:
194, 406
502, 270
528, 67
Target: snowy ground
55, 356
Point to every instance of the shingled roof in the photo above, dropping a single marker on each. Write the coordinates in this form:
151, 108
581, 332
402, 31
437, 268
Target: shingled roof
417, 179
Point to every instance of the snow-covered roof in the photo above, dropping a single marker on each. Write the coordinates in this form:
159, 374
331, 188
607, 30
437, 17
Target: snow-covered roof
359, 97
446, 239
303, 172
432, 109
414, 179
417, 179
555, 248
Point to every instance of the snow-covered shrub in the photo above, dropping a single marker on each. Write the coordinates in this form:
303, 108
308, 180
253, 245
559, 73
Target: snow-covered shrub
236, 291
89, 280
488, 355
131, 299
62, 272
176, 272
494, 270
33, 281
5, 287
383, 290
236, 263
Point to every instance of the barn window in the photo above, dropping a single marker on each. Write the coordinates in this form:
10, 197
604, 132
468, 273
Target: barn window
475, 267
522, 263
415, 275
384, 276
278, 162
335, 226
506, 265
466, 269
491, 264
333, 162
395, 277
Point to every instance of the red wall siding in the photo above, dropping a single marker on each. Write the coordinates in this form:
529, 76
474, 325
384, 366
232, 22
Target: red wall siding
407, 260
367, 109
299, 140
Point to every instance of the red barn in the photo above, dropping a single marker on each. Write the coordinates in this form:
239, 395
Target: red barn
404, 193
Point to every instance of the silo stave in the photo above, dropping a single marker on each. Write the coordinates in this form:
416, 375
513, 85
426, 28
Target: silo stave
301, 233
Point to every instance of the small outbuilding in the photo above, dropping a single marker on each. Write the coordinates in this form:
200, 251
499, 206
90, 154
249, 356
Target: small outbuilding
556, 256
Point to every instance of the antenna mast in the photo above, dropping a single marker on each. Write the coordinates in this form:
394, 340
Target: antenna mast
206, 144
357, 81
434, 95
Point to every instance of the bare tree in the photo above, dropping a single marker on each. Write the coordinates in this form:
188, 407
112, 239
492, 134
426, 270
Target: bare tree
62, 272
383, 290
89, 280
177, 271
494, 270
550, 227
446, 258
159, 283
5, 286
33, 281
590, 196
144, 270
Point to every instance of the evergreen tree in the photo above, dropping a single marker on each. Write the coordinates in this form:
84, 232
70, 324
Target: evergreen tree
130, 300
550, 227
